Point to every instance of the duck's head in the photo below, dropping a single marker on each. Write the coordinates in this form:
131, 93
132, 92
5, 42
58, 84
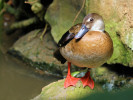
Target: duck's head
91, 22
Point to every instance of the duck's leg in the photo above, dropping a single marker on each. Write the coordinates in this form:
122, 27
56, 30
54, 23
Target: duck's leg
87, 81
70, 81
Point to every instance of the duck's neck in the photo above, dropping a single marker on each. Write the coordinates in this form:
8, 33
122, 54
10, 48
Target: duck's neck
97, 30
98, 26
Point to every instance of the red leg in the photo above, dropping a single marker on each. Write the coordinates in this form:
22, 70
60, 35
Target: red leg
87, 81
70, 81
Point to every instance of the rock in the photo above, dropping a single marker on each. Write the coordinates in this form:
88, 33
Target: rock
121, 95
39, 54
112, 79
37, 98
56, 91
106, 82
61, 14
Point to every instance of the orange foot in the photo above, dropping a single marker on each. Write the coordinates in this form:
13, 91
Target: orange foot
70, 81
87, 81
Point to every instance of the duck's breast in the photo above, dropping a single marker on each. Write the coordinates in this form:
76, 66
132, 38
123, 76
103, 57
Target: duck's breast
92, 50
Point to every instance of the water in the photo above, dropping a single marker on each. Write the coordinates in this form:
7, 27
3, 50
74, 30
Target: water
18, 81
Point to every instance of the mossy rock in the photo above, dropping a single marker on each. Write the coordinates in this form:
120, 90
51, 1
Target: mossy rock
39, 53
106, 82
110, 78
56, 91
118, 21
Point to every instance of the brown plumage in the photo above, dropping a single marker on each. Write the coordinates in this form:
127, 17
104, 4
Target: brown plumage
97, 45
92, 50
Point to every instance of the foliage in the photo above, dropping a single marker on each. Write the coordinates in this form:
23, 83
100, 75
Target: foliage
1, 4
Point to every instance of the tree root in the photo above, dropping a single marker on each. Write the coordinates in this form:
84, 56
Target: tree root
44, 31
23, 23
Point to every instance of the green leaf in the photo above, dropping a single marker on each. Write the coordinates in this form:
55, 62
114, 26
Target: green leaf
1, 4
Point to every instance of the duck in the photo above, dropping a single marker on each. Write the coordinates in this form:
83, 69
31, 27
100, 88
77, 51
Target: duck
86, 44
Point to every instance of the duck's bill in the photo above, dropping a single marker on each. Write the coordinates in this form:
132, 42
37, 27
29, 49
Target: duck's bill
81, 32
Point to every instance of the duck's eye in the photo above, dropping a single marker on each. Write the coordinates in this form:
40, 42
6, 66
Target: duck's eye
91, 19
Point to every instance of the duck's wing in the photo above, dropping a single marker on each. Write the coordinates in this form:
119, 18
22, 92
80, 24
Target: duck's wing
66, 38
69, 35
106, 33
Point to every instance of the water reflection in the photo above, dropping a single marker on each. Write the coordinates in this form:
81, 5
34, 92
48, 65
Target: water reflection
18, 81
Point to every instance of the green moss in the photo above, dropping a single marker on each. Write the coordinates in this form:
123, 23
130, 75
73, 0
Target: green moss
56, 91
100, 71
49, 67
121, 54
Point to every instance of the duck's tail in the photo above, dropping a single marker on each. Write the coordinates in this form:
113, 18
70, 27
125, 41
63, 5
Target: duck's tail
59, 57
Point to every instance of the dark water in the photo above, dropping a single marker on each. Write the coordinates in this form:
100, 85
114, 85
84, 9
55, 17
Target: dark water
18, 81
